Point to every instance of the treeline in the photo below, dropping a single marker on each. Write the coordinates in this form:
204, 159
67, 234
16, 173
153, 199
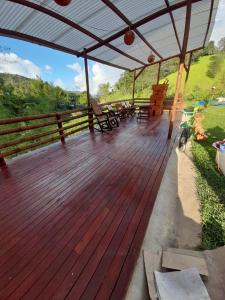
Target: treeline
20, 96
123, 87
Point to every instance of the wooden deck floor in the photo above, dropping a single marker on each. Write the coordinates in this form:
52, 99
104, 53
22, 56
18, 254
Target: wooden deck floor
73, 217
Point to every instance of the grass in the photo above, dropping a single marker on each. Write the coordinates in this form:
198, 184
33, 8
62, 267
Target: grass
197, 76
210, 182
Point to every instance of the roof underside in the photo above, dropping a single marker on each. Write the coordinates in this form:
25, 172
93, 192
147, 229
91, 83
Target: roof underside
95, 28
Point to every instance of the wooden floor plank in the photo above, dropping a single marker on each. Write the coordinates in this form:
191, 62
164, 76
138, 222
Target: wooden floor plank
73, 216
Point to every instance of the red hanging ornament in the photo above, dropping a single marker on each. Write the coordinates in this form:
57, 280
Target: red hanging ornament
63, 2
151, 58
129, 37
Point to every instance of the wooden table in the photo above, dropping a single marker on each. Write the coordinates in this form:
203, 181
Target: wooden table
144, 111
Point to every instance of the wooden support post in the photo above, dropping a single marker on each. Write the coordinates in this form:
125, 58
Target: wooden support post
133, 90
187, 74
58, 117
176, 96
181, 67
158, 75
90, 113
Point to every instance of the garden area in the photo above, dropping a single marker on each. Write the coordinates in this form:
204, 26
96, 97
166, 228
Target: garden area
210, 181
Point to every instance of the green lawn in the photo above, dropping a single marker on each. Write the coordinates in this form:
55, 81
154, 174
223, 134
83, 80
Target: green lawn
211, 183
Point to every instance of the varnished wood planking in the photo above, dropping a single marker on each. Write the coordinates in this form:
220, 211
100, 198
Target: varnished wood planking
79, 213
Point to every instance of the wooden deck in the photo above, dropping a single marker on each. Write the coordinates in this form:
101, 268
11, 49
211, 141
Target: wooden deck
73, 217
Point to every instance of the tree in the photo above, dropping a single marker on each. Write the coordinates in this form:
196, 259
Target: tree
215, 65
210, 49
103, 90
221, 44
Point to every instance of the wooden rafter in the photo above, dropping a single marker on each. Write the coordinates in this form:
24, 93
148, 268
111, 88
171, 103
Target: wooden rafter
174, 25
74, 25
168, 58
186, 30
100, 42
32, 39
209, 22
139, 73
143, 21
128, 22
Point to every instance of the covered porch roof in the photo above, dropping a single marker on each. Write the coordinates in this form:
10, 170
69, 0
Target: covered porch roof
94, 29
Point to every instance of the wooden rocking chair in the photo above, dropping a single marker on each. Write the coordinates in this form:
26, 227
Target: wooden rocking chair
105, 121
121, 110
130, 108
113, 113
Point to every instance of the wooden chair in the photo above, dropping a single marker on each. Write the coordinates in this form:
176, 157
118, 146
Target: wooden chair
127, 107
112, 112
130, 108
105, 121
122, 111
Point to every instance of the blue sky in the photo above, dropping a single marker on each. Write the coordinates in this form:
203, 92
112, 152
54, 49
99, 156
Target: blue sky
67, 71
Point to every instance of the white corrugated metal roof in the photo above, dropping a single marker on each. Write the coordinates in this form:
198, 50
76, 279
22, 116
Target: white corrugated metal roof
54, 26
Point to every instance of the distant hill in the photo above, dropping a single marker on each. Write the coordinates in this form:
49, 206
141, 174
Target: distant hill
200, 83
21, 96
13, 79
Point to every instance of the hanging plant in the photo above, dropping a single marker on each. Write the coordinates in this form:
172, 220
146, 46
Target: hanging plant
129, 37
151, 58
63, 2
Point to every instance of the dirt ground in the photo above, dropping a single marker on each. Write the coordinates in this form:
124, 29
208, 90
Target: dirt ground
176, 222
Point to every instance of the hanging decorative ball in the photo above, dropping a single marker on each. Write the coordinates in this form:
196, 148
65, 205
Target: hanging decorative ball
129, 37
63, 2
151, 58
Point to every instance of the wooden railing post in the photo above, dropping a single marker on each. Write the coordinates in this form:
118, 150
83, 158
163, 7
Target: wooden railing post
90, 113
2, 162
133, 87
60, 126
90, 119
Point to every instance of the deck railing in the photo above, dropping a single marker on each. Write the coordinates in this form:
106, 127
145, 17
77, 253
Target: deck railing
24, 133
21, 134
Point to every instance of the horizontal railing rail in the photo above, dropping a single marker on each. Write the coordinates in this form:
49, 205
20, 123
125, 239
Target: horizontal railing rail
20, 134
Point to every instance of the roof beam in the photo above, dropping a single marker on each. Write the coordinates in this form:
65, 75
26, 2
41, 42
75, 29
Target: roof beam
76, 26
168, 58
139, 73
143, 21
209, 22
35, 40
128, 22
174, 25
186, 30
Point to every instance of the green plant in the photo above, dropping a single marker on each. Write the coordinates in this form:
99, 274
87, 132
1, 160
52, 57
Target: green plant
210, 182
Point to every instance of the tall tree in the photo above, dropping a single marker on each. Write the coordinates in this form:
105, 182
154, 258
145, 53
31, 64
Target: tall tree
221, 44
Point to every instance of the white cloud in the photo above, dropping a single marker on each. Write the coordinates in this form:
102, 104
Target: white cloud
58, 82
13, 64
79, 79
98, 74
219, 27
75, 67
48, 68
